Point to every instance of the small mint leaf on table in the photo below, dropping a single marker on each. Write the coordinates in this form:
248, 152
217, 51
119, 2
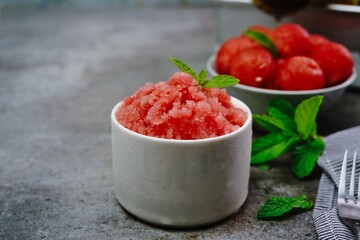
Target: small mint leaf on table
305, 115
221, 81
280, 206
305, 157
263, 40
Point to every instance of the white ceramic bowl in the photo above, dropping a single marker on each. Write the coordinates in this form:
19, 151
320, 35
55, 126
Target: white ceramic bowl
181, 183
258, 98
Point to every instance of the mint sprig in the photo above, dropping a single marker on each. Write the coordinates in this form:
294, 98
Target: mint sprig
280, 206
290, 130
219, 81
263, 40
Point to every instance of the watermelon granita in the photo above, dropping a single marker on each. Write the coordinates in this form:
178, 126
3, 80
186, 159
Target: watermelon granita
180, 109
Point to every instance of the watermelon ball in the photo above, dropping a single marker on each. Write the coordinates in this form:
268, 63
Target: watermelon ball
299, 73
336, 62
229, 48
253, 66
271, 81
317, 40
260, 28
246, 43
225, 53
291, 40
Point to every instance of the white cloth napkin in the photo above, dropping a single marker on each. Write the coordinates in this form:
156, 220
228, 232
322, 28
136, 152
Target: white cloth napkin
325, 214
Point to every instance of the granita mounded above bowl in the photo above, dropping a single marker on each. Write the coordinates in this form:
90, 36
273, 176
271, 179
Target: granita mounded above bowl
180, 109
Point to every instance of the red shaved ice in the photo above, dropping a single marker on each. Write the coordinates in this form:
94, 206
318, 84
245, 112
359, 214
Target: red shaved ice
180, 109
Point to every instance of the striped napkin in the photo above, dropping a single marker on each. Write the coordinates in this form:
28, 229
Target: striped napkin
325, 214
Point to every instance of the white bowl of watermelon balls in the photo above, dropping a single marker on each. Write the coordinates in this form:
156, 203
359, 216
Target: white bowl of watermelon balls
286, 62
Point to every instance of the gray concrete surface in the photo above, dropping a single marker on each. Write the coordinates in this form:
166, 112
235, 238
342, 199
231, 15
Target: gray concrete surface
61, 72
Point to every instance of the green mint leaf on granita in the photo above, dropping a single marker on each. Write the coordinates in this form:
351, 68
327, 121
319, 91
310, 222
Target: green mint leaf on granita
262, 40
202, 77
184, 68
219, 81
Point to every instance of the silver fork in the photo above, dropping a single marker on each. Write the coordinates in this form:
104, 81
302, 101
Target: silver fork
349, 204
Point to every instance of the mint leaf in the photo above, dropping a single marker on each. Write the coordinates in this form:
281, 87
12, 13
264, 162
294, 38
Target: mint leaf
221, 81
266, 141
202, 77
305, 157
263, 40
283, 111
281, 105
280, 118
279, 206
184, 68
270, 123
305, 115
271, 146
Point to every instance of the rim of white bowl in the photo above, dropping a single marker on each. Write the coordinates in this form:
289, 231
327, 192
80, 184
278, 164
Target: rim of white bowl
239, 104
210, 67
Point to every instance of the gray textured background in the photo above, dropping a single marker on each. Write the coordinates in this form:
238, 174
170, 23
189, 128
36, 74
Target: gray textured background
105, 3
61, 72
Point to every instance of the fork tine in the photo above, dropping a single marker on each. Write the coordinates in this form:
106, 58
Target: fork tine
342, 182
352, 179
358, 194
